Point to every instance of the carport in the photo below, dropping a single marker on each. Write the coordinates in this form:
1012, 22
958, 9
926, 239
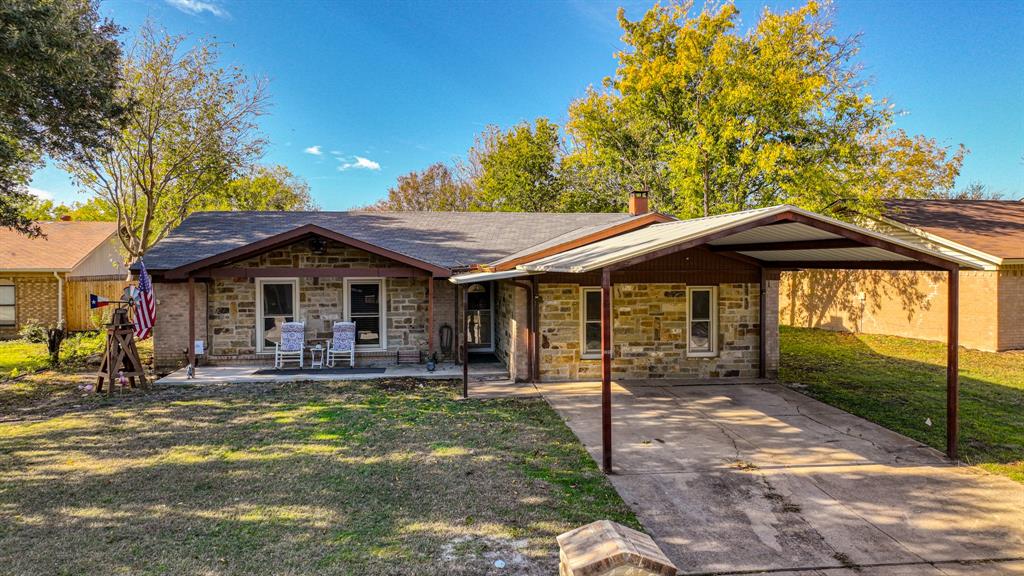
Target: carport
764, 241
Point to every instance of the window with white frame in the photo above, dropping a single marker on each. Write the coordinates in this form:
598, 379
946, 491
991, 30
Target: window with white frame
702, 321
7, 315
277, 302
364, 305
590, 323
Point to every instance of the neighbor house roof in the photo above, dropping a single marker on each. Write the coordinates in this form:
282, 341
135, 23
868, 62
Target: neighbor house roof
60, 248
779, 236
451, 240
995, 227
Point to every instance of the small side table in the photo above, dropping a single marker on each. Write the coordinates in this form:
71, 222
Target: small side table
316, 356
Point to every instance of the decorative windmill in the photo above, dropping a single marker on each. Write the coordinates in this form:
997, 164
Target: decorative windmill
121, 361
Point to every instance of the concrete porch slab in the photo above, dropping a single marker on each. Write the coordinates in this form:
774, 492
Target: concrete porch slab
241, 374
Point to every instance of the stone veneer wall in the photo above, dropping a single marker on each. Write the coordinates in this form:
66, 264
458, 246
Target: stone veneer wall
511, 311
35, 300
649, 333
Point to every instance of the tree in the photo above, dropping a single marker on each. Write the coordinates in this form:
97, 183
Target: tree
57, 91
93, 209
191, 131
518, 169
976, 191
436, 188
266, 188
712, 120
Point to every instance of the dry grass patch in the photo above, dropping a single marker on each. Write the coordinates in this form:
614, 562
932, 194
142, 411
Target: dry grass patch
325, 478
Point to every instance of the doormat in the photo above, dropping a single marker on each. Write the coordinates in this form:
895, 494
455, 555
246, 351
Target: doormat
311, 371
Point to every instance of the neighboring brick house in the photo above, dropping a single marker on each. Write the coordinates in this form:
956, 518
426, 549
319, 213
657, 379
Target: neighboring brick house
689, 299
988, 233
47, 279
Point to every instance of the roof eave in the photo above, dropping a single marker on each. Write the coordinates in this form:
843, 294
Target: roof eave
990, 258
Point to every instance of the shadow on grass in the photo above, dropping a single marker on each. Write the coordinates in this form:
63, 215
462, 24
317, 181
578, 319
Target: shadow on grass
901, 384
326, 478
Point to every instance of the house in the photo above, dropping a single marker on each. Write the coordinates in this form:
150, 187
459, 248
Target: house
987, 233
48, 279
551, 296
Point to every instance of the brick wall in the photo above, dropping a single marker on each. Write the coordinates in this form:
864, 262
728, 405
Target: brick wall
444, 313
898, 303
35, 300
649, 333
170, 333
1011, 309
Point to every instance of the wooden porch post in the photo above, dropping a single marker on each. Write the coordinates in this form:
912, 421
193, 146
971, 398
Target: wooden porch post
465, 342
192, 321
606, 370
762, 368
953, 365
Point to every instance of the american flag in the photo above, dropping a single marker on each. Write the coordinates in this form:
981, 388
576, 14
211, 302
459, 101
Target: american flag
145, 305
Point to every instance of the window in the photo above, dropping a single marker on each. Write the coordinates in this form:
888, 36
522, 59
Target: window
701, 323
590, 325
7, 317
364, 303
277, 303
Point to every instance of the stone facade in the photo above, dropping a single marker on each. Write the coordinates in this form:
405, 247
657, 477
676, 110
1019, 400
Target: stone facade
512, 336
649, 334
230, 307
35, 300
908, 304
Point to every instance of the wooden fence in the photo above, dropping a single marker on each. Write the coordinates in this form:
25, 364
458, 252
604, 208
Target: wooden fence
76, 302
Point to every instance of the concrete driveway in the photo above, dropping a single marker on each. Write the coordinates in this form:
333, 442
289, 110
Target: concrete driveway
733, 479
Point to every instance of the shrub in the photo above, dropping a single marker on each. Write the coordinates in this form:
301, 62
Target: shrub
33, 331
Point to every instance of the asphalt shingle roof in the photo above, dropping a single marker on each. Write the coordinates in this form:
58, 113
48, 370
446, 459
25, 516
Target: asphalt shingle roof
992, 226
447, 239
61, 247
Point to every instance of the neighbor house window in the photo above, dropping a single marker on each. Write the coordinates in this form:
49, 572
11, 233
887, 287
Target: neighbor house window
7, 317
590, 325
701, 323
277, 302
365, 306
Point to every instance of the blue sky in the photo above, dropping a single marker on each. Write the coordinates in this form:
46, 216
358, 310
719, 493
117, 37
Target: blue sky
382, 88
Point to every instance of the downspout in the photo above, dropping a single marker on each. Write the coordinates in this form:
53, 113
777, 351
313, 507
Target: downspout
60, 298
530, 328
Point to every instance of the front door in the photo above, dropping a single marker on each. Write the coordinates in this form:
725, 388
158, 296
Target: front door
277, 301
480, 316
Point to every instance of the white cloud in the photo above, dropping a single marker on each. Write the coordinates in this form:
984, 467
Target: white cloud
360, 163
40, 193
314, 150
198, 7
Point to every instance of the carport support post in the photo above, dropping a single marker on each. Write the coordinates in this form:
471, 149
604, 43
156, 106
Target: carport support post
953, 365
606, 370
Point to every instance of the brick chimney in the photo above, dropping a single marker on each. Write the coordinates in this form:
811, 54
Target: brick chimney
65, 218
638, 202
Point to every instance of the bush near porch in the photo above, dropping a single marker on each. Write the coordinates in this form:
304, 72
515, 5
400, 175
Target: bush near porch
900, 383
300, 478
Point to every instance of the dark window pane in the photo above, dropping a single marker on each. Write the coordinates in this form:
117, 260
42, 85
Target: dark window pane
478, 297
364, 298
367, 331
700, 336
277, 300
700, 307
593, 302
593, 338
6, 295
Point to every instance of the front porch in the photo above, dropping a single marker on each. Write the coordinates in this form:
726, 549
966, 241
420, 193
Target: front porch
252, 373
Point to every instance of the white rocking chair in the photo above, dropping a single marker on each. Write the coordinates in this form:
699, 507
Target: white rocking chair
342, 344
292, 345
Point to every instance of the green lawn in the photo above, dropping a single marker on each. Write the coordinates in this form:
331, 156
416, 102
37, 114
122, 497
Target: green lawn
900, 383
20, 356
308, 478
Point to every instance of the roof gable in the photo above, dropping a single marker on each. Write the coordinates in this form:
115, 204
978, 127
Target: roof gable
61, 247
